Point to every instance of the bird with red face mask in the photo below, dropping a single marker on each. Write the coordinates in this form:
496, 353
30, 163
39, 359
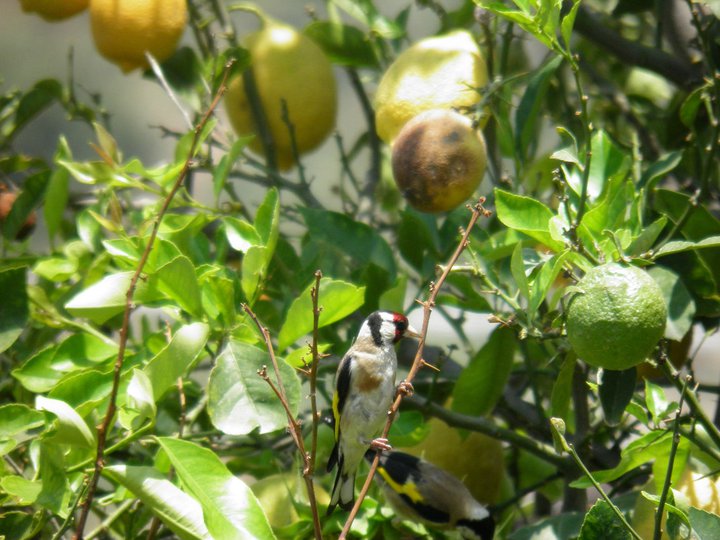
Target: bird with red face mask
364, 391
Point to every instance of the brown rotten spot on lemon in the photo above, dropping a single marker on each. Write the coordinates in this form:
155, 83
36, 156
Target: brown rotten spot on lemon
438, 160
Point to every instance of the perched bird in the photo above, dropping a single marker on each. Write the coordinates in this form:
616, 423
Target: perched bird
364, 391
422, 492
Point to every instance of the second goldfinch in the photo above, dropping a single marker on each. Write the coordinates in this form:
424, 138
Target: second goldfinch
420, 491
364, 391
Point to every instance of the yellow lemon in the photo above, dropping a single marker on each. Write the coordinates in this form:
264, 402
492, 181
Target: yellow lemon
617, 317
440, 72
289, 66
438, 160
124, 30
54, 10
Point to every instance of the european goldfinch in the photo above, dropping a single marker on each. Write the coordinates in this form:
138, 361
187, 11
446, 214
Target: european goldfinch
364, 391
420, 491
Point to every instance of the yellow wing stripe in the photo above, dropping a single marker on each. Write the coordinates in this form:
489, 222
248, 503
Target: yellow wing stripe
408, 488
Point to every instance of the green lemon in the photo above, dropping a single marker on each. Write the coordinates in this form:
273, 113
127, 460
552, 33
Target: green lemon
617, 318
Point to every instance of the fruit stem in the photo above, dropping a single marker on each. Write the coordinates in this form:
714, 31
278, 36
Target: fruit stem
671, 460
570, 449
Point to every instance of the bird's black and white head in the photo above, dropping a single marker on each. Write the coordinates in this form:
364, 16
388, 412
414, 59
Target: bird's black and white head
386, 328
479, 525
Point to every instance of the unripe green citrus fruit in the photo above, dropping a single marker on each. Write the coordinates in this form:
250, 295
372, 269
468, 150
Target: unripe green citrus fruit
617, 318
438, 160
289, 66
439, 72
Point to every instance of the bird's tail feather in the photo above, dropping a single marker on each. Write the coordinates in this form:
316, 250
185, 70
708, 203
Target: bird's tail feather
343, 492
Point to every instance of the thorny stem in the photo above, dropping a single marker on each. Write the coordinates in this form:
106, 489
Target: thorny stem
293, 424
668, 474
104, 428
428, 305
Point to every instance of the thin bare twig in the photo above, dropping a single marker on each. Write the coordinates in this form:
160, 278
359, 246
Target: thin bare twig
293, 424
102, 431
428, 305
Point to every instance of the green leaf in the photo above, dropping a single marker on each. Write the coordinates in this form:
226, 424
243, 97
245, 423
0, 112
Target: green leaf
601, 523
691, 105
21, 525
616, 391
544, 280
33, 190
239, 400
559, 527
24, 490
647, 448
140, 403
230, 509
344, 44
70, 429
56, 269
55, 494
482, 382
338, 300
526, 215
409, 429
647, 237
657, 404
14, 311
705, 524
360, 241
57, 192
240, 234
38, 98
17, 418
177, 279
106, 298
527, 114
517, 267
681, 306
302, 357
175, 359
225, 165
678, 246
254, 268
43, 370
562, 389
267, 223
660, 168
180, 513
568, 21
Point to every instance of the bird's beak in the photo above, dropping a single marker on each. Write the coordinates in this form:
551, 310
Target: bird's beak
411, 332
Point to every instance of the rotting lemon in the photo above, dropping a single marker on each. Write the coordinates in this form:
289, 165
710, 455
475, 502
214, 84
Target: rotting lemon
617, 317
289, 66
124, 30
440, 72
438, 160
54, 10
